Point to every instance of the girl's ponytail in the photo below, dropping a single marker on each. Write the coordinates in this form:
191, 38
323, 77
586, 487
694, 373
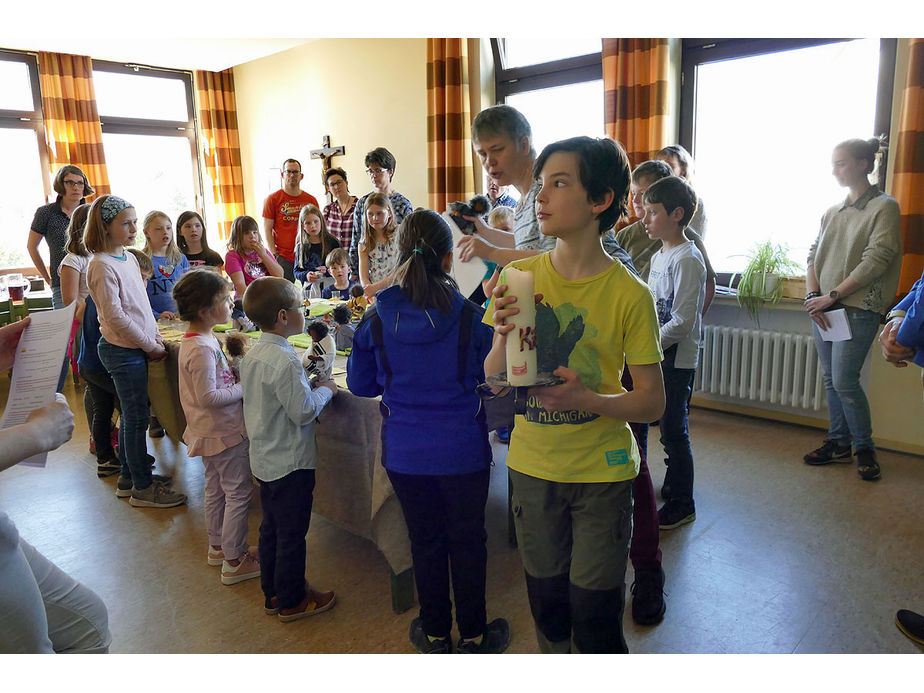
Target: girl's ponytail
424, 240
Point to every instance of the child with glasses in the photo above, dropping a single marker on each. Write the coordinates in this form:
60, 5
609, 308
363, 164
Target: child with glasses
280, 409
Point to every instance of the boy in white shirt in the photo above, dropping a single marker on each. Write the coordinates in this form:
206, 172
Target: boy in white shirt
279, 411
678, 281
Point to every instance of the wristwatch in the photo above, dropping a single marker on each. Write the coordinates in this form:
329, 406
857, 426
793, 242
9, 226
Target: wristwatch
833, 295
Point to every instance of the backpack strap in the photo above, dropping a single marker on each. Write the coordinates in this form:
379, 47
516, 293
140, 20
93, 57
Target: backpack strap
375, 325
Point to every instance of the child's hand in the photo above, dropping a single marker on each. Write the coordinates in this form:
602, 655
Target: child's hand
330, 385
892, 351
488, 284
502, 312
570, 395
167, 315
321, 269
9, 340
158, 353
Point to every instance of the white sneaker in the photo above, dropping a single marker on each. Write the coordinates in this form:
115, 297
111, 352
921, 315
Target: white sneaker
247, 569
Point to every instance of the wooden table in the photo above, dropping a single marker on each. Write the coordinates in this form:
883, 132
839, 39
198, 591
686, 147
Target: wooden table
352, 488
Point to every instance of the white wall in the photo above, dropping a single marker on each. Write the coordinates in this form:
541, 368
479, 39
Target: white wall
364, 93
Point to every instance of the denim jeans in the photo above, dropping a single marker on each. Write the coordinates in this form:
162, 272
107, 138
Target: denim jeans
841, 362
129, 371
675, 429
445, 522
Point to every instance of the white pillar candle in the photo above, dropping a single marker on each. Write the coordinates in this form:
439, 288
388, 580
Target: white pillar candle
521, 340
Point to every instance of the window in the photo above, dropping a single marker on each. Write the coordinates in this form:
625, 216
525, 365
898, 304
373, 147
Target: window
761, 118
148, 137
536, 77
22, 177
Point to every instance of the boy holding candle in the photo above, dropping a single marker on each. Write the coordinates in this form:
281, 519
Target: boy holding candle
572, 456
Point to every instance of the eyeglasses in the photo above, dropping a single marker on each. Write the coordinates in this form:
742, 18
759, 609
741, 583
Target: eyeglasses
291, 173
75, 183
376, 171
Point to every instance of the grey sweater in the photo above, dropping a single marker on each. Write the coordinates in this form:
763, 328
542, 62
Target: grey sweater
862, 240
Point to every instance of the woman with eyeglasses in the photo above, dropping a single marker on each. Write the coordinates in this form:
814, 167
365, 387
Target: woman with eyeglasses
338, 215
51, 222
380, 166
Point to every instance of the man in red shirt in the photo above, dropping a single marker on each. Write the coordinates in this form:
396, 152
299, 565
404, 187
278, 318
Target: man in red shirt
280, 216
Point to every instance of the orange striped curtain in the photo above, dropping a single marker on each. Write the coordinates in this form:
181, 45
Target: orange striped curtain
635, 96
220, 145
908, 185
450, 175
73, 133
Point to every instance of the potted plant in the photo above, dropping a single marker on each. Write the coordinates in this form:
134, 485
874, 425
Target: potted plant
760, 284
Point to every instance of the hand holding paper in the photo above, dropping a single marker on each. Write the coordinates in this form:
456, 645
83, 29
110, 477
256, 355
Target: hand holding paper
838, 329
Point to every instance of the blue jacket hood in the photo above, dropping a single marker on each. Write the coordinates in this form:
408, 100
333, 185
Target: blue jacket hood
409, 324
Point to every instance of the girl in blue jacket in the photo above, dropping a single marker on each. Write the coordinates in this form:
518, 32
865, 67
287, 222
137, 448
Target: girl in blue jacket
422, 348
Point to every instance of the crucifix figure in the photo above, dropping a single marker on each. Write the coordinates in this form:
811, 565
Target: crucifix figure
326, 153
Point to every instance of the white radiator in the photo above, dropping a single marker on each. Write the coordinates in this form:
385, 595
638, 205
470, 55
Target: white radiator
761, 366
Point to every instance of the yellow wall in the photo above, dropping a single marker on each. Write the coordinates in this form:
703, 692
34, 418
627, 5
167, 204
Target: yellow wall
364, 93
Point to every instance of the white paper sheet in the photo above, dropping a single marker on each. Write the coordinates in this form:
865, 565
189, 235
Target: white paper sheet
37, 368
839, 331
468, 275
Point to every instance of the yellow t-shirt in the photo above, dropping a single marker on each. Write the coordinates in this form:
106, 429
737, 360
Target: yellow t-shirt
594, 326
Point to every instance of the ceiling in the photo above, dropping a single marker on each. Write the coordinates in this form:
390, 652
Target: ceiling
212, 54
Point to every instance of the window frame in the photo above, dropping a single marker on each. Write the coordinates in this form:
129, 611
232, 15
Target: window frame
29, 120
696, 52
555, 73
160, 128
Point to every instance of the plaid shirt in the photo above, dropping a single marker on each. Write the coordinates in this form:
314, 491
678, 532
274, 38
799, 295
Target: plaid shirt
340, 224
402, 207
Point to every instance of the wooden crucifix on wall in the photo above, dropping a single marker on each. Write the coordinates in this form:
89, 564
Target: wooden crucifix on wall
326, 153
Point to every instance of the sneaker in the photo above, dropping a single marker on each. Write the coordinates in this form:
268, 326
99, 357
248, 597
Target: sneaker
911, 624
495, 640
867, 466
665, 492
422, 643
124, 487
247, 569
314, 603
157, 495
648, 597
108, 467
216, 556
155, 430
674, 514
828, 453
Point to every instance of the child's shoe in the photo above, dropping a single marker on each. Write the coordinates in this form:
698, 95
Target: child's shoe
422, 643
247, 569
314, 603
829, 452
495, 639
124, 487
108, 467
155, 430
674, 513
157, 495
271, 606
216, 556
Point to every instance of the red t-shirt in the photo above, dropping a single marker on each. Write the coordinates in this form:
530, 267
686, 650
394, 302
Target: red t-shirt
283, 209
